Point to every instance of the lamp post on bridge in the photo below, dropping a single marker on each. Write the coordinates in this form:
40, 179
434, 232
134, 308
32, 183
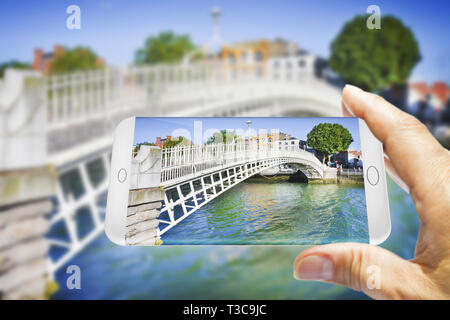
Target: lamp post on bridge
216, 39
248, 123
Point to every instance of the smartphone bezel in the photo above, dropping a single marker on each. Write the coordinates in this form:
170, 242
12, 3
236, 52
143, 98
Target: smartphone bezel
117, 199
377, 201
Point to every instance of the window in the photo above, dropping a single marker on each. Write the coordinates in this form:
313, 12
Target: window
231, 59
301, 63
258, 56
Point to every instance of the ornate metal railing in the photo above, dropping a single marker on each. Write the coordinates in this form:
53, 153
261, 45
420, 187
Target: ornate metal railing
186, 161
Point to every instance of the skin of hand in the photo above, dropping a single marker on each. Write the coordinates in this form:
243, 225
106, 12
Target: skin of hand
424, 166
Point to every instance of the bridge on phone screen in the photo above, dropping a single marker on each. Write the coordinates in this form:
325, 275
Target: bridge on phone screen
56, 138
193, 175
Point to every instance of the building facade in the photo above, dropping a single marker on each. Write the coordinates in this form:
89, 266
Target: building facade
42, 60
160, 142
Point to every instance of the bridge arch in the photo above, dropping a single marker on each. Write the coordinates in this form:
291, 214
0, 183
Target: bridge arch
192, 176
258, 98
184, 198
76, 125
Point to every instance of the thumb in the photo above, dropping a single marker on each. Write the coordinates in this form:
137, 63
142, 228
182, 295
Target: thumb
377, 272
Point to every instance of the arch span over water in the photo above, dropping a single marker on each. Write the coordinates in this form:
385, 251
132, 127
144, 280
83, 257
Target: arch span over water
194, 175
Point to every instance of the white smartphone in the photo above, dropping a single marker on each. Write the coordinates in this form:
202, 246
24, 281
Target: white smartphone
185, 181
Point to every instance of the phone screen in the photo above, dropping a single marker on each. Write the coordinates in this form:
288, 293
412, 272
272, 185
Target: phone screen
228, 181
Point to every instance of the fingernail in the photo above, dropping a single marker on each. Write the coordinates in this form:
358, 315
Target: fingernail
314, 268
356, 92
352, 87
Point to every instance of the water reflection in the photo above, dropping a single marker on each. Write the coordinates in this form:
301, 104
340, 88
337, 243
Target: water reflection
277, 213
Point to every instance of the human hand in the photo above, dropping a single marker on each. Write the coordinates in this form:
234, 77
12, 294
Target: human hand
424, 166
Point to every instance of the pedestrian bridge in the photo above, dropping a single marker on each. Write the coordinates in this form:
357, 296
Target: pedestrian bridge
194, 175
65, 122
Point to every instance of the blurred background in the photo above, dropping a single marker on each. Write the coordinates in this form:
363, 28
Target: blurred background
71, 70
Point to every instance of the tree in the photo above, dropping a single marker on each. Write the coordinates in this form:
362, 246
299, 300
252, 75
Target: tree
75, 59
176, 141
137, 147
373, 59
166, 47
223, 136
14, 65
329, 138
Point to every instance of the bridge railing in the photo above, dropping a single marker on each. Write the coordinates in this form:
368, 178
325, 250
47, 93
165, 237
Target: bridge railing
80, 96
105, 95
77, 96
186, 160
38, 112
352, 172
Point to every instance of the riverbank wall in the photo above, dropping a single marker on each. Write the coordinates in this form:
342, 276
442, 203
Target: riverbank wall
25, 202
142, 216
342, 179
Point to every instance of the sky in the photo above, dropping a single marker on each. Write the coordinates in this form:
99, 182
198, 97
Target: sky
147, 129
115, 29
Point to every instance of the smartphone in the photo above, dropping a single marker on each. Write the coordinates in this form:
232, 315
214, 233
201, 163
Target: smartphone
246, 181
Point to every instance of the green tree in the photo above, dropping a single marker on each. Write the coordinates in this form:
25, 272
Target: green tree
76, 59
329, 138
373, 59
166, 47
138, 146
223, 136
175, 141
14, 65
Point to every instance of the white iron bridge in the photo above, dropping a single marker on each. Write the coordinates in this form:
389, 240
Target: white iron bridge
194, 175
66, 122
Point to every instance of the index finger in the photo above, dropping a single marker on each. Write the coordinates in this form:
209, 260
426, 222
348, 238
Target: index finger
413, 151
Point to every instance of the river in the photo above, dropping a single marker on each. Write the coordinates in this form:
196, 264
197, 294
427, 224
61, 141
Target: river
253, 212
267, 212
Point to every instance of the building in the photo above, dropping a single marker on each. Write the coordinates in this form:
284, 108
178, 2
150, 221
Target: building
348, 158
298, 66
440, 92
280, 138
289, 141
254, 51
250, 58
436, 95
160, 142
428, 103
42, 60
354, 158
265, 138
